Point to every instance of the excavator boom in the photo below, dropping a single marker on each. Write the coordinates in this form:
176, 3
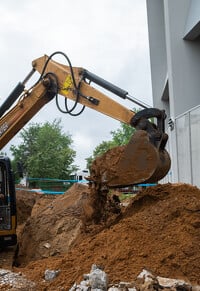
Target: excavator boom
143, 159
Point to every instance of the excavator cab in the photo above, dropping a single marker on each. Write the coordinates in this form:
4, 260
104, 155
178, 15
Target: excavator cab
7, 204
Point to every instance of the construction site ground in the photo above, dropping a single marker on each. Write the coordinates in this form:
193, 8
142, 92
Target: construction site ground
157, 229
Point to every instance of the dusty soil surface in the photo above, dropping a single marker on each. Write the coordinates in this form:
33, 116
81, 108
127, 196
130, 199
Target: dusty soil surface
55, 223
158, 230
25, 203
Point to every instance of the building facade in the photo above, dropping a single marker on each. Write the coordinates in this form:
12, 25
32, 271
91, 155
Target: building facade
174, 40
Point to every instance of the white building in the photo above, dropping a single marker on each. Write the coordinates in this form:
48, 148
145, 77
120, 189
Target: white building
81, 175
174, 39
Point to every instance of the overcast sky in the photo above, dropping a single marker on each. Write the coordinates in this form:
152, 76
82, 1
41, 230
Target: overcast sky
107, 37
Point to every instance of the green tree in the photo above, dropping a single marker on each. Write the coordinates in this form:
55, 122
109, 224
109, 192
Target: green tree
45, 151
119, 137
122, 135
103, 147
99, 150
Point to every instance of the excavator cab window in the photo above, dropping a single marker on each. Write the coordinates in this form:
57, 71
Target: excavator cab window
20, 170
3, 184
7, 204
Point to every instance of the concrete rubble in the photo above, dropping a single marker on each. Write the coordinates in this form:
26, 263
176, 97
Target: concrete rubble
51, 274
15, 281
97, 280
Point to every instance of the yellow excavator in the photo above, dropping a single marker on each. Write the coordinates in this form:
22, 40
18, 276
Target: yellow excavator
143, 160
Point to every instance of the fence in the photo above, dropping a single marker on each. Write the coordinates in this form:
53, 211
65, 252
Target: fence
184, 148
49, 186
188, 146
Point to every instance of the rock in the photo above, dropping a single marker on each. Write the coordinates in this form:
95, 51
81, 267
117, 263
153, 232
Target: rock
123, 286
47, 245
81, 287
146, 276
51, 274
113, 288
173, 283
98, 279
147, 280
15, 281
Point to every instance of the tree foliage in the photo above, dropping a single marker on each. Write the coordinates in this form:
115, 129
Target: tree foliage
103, 147
45, 151
119, 137
122, 135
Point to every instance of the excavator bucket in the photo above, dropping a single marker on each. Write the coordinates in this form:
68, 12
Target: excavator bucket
143, 160
137, 162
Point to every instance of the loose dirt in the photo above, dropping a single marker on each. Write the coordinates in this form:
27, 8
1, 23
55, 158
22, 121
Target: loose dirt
159, 230
137, 161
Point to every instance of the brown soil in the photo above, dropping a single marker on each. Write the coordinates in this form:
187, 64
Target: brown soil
137, 161
25, 203
159, 230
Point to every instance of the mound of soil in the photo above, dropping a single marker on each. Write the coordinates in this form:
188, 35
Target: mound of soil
25, 203
159, 230
54, 224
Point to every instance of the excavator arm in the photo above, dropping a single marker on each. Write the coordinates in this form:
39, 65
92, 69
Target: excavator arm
143, 159
72, 84
27, 106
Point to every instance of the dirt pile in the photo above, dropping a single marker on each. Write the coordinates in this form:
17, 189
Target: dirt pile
54, 224
25, 203
159, 230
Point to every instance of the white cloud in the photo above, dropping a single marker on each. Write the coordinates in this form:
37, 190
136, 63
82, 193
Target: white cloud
83, 144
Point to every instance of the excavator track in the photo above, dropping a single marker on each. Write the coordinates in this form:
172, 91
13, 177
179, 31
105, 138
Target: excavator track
7, 257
